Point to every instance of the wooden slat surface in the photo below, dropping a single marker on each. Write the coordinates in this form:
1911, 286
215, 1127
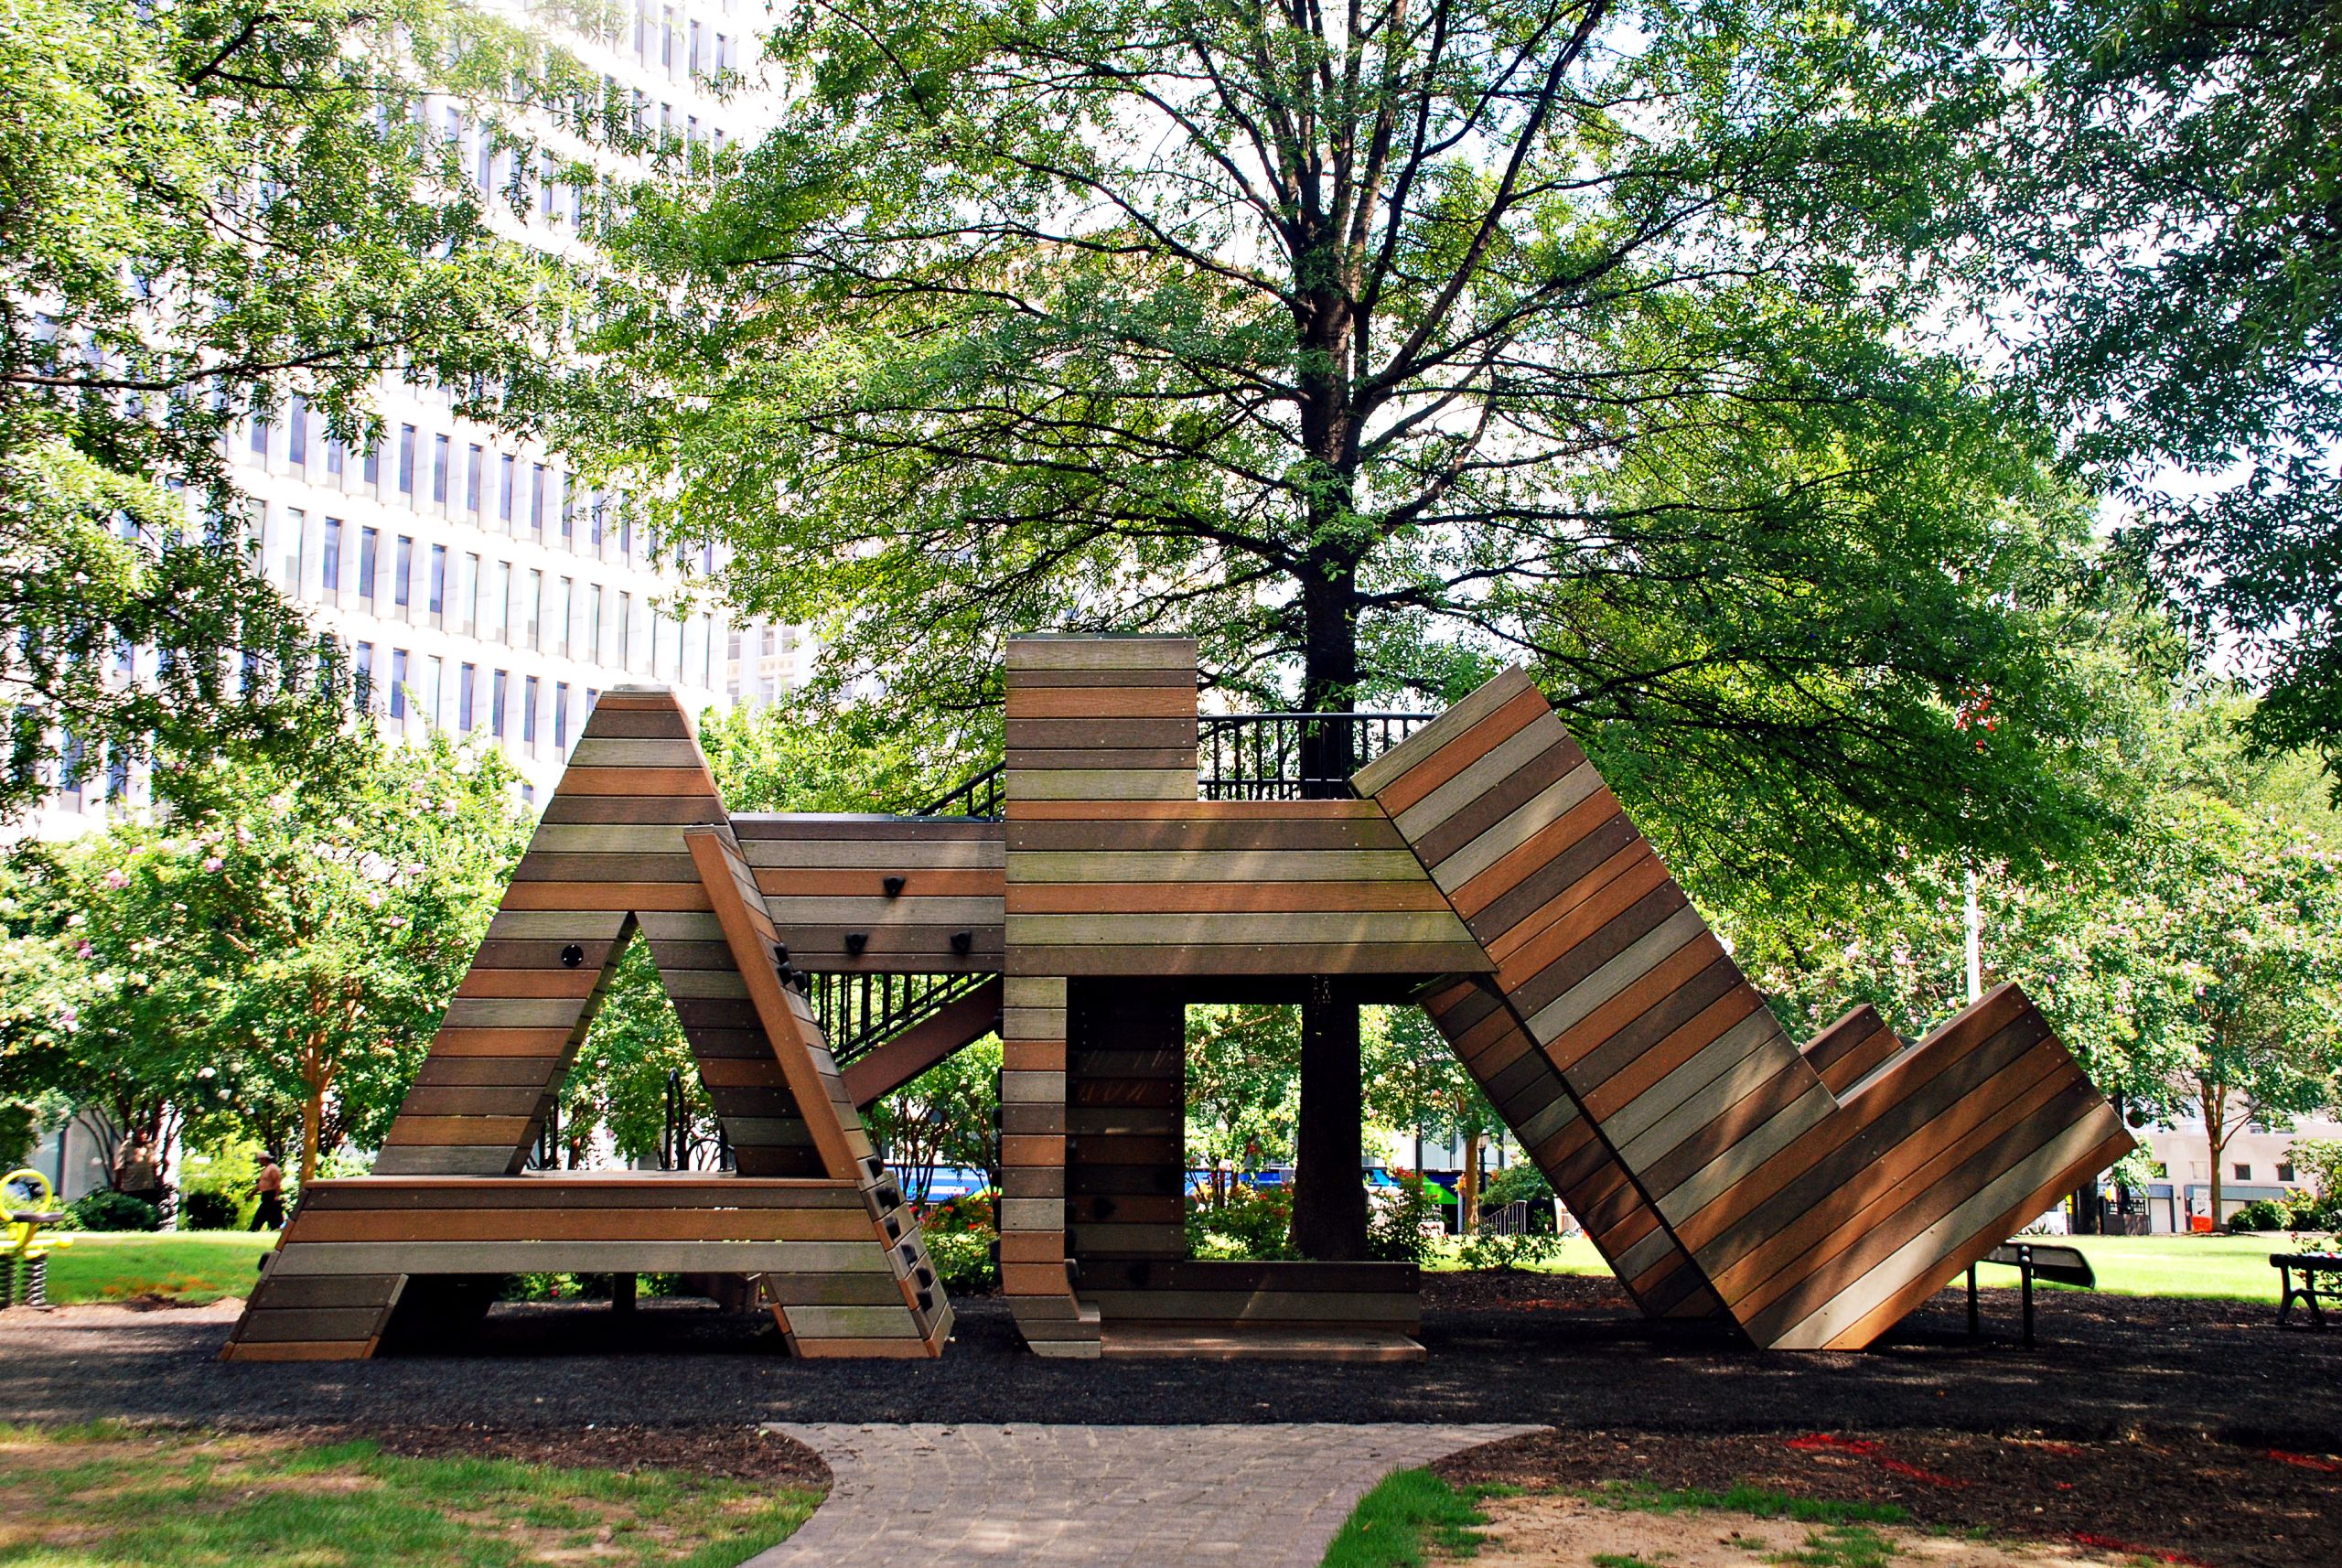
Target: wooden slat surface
1814, 1193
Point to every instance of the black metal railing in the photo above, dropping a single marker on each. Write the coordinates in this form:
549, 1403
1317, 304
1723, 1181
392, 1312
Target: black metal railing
977, 797
858, 1013
1293, 756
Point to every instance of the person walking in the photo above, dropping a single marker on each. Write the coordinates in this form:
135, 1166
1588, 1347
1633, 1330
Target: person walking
269, 1184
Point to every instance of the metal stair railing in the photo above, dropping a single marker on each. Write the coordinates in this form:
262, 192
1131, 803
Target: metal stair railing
859, 1013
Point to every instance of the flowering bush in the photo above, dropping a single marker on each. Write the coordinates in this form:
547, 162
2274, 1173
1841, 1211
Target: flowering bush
1255, 1222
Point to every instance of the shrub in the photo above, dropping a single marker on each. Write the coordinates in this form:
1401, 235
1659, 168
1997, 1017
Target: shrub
1255, 1222
963, 1263
1401, 1223
106, 1209
207, 1208
2314, 1211
1489, 1250
2260, 1214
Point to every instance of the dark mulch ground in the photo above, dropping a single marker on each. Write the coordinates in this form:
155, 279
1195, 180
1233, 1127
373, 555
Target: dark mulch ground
2170, 1500
740, 1453
1553, 1350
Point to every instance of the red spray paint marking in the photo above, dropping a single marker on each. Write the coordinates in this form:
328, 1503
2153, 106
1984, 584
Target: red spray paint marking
2133, 1549
1869, 1450
2305, 1462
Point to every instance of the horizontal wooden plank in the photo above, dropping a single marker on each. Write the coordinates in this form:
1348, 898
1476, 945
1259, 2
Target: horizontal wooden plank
581, 1257
580, 1223
582, 896
637, 781
1104, 703
1239, 959
1173, 783
1173, 759
262, 1326
1130, 930
1280, 834
578, 810
595, 751
1081, 734
1215, 866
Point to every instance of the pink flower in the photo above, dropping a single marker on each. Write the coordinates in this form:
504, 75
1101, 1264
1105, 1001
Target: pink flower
85, 952
213, 864
117, 877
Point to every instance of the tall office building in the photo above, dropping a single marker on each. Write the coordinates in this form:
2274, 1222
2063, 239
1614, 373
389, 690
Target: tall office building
476, 583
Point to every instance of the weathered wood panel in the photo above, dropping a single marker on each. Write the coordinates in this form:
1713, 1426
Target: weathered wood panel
1814, 1194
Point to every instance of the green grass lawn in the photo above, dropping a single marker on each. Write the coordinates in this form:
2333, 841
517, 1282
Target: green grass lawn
194, 1268
108, 1497
2225, 1268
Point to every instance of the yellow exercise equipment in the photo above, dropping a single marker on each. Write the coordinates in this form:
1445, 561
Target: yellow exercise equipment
26, 1256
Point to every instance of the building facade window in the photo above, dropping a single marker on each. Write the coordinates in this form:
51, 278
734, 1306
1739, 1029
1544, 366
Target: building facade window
329, 558
370, 550
398, 682
440, 447
297, 432
293, 524
561, 716
463, 698
504, 487
406, 459
438, 605
472, 480
528, 689
403, 573
361, 664
496, 704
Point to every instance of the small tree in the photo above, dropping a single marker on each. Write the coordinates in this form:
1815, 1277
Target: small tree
943, 1117
1415, 1081
1243, 1088
285, 942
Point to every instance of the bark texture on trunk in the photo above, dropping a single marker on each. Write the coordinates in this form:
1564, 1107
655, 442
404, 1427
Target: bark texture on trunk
1329, 1190
1469, 1188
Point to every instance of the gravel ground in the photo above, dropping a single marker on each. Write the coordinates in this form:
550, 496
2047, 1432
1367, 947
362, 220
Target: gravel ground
1552, 1350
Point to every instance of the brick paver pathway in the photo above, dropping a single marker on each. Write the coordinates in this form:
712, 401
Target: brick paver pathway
1098, 1497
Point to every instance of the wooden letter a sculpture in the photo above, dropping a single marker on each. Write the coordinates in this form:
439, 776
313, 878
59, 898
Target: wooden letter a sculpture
634, 839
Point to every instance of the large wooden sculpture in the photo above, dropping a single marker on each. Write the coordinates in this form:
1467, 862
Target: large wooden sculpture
634, 839
1809, 1196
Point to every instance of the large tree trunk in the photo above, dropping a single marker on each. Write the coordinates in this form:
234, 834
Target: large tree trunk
312, 1119
1329, 1191
2216, 1134
1468, 1190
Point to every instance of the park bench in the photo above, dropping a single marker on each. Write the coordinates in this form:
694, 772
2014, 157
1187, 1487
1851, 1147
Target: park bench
2059, 1265
2320, 1282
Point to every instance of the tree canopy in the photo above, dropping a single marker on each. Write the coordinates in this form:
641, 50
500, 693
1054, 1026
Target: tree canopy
278, 960
2149, 216
215, 211
1376, 347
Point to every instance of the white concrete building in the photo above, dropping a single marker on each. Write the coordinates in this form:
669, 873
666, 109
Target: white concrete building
2256, 1163
476, 583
